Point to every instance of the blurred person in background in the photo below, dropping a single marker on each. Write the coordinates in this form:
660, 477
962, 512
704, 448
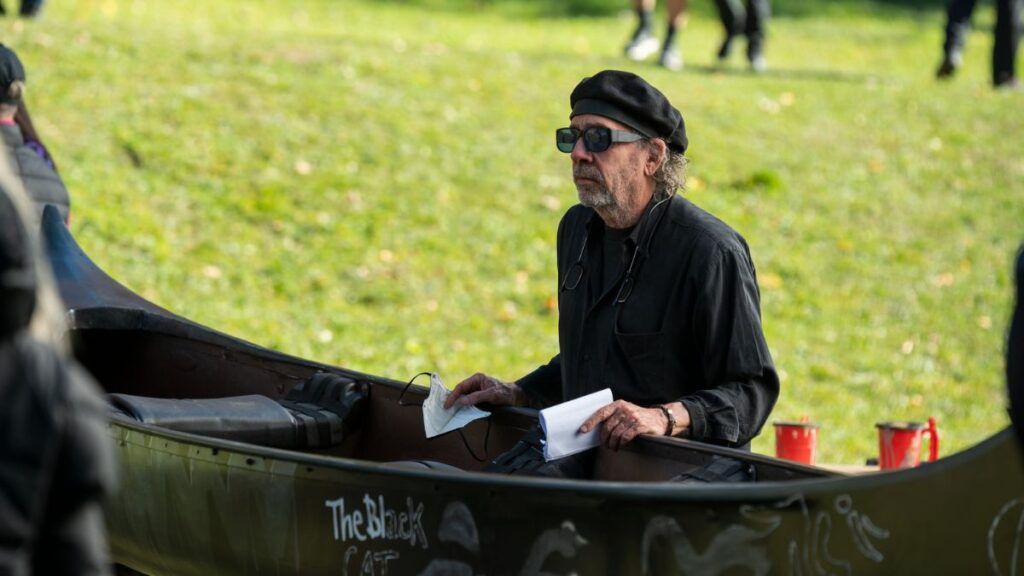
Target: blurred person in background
750, 21
1004, 47
56, 461
644, 43
28, 8
29, 158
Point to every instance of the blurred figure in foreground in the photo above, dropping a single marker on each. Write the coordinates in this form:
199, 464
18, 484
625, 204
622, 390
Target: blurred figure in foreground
751, 22
1015, 355
56, 461
28, 157
1004, 48
644, 43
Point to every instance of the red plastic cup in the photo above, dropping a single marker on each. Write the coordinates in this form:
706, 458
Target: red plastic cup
796, 441
899, 443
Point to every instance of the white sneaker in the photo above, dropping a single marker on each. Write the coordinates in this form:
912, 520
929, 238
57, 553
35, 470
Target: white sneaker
641, 46
671, 60
758, 64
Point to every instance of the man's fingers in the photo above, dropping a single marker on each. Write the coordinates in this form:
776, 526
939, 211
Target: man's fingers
618, 432
465, 387
599, 416
606, 432
474, 398
628, 436
622, 440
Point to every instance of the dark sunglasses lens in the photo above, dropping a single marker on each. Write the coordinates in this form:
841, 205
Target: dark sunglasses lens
597, 139
565, 139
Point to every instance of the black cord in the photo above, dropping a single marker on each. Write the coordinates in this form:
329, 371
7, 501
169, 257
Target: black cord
406, 389
465, 441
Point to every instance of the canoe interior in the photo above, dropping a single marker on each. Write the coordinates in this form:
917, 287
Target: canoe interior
164, 360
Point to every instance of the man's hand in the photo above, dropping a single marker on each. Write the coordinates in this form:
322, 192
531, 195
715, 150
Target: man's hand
624, 421
483, 388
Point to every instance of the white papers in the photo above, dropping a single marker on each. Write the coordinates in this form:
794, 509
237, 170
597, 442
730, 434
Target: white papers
437, 420
561, 424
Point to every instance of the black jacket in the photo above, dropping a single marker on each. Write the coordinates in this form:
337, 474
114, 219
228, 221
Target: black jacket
56, 462
689, 331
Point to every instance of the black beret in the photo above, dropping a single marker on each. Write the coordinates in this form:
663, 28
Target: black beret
11, 71
628, 98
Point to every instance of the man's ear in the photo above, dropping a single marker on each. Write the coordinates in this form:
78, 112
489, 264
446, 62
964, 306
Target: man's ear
655, 156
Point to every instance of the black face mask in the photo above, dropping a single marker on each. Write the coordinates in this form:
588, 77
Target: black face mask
17, 271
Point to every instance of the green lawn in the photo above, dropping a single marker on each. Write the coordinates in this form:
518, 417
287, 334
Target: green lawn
373, 184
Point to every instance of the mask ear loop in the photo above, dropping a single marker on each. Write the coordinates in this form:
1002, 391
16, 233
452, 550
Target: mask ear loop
643, 247
576, 265
465, 441
406, 389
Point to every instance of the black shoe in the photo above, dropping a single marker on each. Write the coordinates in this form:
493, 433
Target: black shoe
1011, 84
726, 47
950, 63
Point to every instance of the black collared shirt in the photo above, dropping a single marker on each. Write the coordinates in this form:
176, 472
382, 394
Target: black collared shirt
690, 330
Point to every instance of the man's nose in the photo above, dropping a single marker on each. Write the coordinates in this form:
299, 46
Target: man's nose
580, 152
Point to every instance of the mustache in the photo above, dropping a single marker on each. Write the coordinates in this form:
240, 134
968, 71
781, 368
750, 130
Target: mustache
585, 171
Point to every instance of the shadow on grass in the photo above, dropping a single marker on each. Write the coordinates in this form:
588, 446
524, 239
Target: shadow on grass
589, 8
820, 75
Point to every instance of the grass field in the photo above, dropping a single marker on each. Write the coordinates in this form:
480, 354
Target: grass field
373, 184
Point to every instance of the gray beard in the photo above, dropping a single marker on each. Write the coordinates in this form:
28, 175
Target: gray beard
596, 197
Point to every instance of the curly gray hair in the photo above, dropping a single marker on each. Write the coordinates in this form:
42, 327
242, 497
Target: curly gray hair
670, 176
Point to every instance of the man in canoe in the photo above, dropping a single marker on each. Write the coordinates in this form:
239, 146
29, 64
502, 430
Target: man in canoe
658, 299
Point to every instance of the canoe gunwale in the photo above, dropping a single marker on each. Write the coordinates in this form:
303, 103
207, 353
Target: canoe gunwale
639, 491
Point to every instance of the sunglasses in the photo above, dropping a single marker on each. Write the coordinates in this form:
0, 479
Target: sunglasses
595, 138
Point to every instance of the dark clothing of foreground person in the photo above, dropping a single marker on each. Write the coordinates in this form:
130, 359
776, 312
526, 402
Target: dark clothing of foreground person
1015, 355
658, 299
28, 157
1004, 48
55, 459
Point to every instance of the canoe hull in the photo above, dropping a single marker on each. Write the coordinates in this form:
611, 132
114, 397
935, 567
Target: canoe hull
197, 506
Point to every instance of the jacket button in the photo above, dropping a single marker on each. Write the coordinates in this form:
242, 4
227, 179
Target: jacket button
586, 356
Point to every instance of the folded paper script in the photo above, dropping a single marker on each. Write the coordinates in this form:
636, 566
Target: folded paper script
561, 424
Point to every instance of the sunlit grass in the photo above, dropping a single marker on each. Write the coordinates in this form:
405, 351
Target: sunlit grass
374, 185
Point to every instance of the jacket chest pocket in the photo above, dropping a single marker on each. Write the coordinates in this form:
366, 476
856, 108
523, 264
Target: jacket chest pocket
645, 354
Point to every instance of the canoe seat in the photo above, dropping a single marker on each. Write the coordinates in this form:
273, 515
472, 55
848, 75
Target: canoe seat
318, 413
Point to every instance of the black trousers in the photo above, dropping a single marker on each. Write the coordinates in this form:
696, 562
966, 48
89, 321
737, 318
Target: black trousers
751, 21
28, 7
1007, 34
